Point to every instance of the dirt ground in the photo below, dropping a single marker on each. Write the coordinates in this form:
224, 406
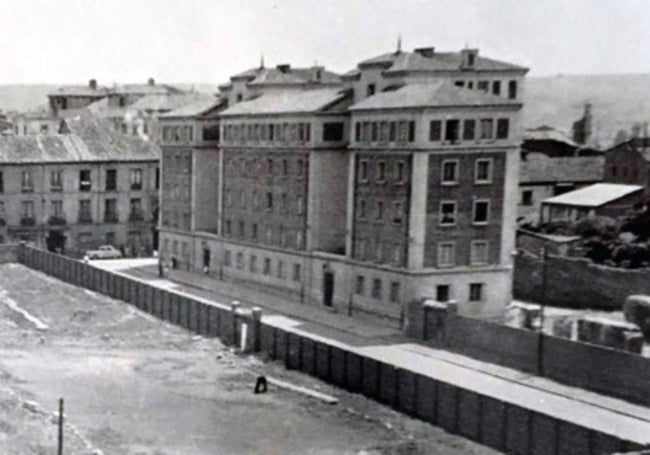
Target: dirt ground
138, 386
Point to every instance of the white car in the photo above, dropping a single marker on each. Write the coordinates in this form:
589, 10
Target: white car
104, 252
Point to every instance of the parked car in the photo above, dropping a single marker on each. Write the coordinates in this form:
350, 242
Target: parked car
104, 252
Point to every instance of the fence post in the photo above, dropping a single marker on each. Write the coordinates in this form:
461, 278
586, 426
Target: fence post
256, 328
234, 308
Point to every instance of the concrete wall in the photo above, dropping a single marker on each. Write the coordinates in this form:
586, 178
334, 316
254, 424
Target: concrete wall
590, 285
575, 363
503, 426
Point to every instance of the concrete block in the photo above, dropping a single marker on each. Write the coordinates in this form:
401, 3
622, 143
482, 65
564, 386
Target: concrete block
293, 356
447, 407
307, 362
267, 340
426, 398
469, 414
156, 302
166, 305
337, 366
174, 309
572, 439
353, 373
323, 361
544, 435
387, 383
110, 285
370, 383
213, 318
492, 424
517, 430
406, 391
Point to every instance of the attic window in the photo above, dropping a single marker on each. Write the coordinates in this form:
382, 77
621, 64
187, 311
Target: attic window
370, 90
470, 59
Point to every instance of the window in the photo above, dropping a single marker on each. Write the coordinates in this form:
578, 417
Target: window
398, 215
447, 213
383, 132
394, 292
269, 201
253, 264
475, 292
512, 90
240, 260
27, 184
280, 269
435, 130
483, 171
84, 180
496, 88
402, 132
363, 171
357, 131
228, 227
242, 199
256, 200
269, 234
269, 166
392, 132
469, 130
442, 293
481, 212
301, 170
254, 231
527, 197
503, 125
296, 272
111, 179
28, 209
242, 229
362, 209
110, 211
399, 172
411, 131
459, 83
370, 90
483, 86
374, 132
376, 289
449, 172
227, 258
381, 171
84, 211
56, 182
380, 210
285, 167
452, 130
332, 131
360, 285
57, 209
446, 254
478, 252
487, 127
266, 270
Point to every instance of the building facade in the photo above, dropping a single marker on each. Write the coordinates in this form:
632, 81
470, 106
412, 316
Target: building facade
398, 182
74, 191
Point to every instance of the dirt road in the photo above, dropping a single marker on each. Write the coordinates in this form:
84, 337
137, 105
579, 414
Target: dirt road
135, 385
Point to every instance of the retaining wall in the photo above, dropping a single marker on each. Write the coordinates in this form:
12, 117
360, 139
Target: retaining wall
496, 424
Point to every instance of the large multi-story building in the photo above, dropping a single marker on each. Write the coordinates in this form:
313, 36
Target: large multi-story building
394, 182
79, 188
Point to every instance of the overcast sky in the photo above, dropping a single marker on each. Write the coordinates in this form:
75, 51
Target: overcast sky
71, 41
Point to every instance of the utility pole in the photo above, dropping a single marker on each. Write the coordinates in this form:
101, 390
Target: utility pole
60, 449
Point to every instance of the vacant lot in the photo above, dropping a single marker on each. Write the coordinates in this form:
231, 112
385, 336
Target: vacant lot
135, 385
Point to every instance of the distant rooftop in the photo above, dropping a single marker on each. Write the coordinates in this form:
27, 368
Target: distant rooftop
547, 133
286, 75
540, 168
640, 144
198, 107
289, 101
594, 195
438, 94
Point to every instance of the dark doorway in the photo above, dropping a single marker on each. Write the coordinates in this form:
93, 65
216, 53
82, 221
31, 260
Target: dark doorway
328, 288
55, 241
206, 258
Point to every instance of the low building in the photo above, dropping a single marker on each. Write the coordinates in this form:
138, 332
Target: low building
80, 188
600, 199
542, 177
549, 141
629, 163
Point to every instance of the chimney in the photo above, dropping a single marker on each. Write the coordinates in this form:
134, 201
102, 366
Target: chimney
151, 82
284, 68
92, 84
468, 58
317, 73
425, 51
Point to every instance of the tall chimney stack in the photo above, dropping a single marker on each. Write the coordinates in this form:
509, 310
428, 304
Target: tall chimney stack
92, 84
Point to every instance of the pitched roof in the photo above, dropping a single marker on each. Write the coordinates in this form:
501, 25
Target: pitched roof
436, 61
639, 144
547, 133
287, 75
169, 102
436, 94
79, 90
594, 195
540, 168
289, 101
196, 108
143, 89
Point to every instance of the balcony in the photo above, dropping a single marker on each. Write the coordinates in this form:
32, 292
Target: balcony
136, 215
56, 220
27, 221
111, 217
85, 218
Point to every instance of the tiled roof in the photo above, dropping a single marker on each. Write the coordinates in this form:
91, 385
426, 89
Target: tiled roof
289, 101
196, 108
540, 168
438, 61
79, 90
594, 195
438, 94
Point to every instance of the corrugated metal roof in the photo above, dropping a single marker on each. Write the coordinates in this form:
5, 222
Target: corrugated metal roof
437, 94
288, 101
540, 168
594, 195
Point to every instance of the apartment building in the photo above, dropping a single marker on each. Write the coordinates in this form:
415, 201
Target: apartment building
80, 188
396, 181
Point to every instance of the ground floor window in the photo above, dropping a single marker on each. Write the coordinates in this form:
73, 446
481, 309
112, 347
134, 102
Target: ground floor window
226, 258
394, 291
442, 293
296, 272
475, 292
376, 289
360, 284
